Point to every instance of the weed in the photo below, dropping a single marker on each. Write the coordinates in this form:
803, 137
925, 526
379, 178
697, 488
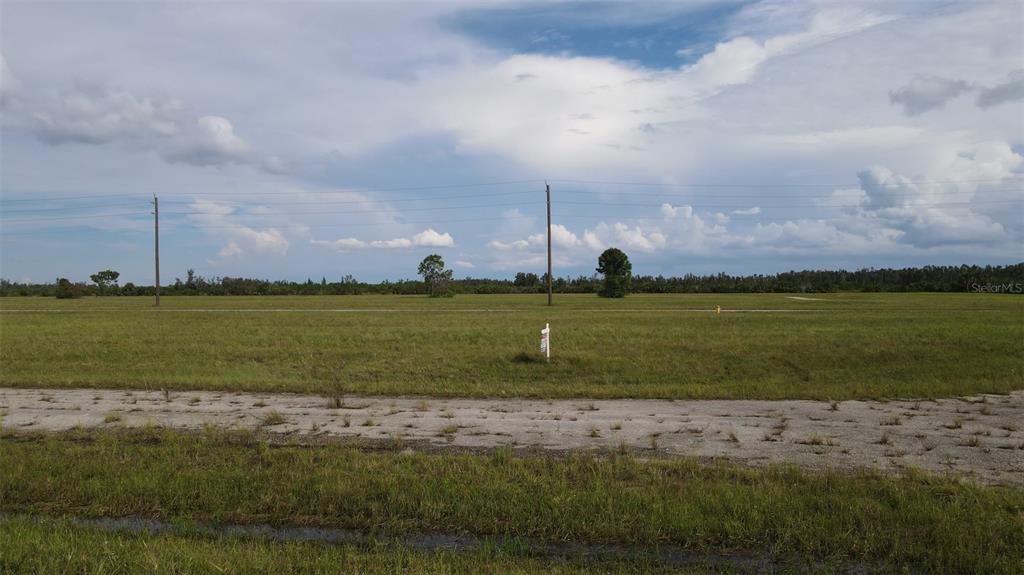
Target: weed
335, 402
957, 423
816, 439
616, 426
112, 417
884, 440
449, 429
272, 418
368, 423
397, 441
894, 420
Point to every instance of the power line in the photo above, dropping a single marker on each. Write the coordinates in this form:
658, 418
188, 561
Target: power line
506, 204
750, 185
313, 203
194, 225
767, 185
292, 193
687, 195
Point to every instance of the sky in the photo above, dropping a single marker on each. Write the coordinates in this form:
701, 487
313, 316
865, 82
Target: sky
294, 140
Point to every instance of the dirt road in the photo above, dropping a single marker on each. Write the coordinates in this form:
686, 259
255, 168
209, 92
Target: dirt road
980, 437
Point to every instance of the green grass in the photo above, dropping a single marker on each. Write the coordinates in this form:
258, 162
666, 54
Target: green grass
847, 346
61, 547
918, 521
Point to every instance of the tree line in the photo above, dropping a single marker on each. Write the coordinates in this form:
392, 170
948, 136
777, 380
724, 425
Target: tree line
962, 278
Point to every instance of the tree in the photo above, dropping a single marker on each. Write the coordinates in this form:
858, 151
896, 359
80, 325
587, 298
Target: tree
618, 273
67, 290
524, 279
104, 280
435, 276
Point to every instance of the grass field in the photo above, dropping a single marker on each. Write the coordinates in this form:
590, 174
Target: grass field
918, 522
836, 346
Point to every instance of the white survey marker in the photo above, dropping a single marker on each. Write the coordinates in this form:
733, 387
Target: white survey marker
545, 341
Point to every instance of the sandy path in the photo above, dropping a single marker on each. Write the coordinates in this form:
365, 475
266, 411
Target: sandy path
981, 436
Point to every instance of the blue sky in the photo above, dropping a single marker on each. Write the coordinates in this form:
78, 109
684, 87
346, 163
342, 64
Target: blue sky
295, 140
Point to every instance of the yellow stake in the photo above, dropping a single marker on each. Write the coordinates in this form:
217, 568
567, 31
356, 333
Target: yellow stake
718, 309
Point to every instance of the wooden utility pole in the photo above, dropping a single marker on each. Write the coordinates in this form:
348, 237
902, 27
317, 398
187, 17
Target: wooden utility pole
156, 245
547, 190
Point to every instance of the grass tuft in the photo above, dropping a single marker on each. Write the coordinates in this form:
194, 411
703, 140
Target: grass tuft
273, 418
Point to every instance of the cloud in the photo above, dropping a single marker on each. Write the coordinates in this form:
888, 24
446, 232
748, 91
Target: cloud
748, 212
428, 238
392, 244
893, 211
509, 246
1010, 91
100, 115
242, 238
229, 250
464, 264
94, 115
211, 142
926, 93
342, 245
433, 239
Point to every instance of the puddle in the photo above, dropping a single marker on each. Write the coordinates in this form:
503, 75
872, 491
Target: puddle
669, 557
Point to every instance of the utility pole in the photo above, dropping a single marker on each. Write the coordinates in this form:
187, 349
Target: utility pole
156, 245
547, 190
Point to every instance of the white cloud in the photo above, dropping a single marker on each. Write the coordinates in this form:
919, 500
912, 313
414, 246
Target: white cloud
211, 142
464, 264
215, 217
427, 238
341, 245
229, 250
748, 212
509, 246
392, 243
431, 238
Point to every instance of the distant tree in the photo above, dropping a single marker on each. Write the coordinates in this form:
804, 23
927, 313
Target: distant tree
436, 277
618, 273
67, 290
129, 289
527, 280
104, 280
